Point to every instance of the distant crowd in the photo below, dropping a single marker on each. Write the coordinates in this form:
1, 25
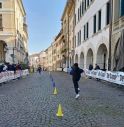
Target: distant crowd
11, 67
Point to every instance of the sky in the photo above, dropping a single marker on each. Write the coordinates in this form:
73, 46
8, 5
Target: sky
44, 22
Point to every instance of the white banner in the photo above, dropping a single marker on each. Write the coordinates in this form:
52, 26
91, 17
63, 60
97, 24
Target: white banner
114, 77
9, 75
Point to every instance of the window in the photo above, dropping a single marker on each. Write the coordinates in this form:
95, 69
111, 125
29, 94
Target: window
85, 5
79, 37
88, 3
78, 14
99, 20
121, 7
1, 25
0, 5
87, 26
75, 19
82, 7
84, 32
75, 41
107, 13
94, 24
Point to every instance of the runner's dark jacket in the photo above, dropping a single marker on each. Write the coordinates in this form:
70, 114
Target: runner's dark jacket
76, 73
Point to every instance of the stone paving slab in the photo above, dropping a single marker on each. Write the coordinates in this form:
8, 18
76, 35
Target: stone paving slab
30, 103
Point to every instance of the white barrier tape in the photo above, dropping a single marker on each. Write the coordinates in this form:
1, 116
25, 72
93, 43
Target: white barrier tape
9, 75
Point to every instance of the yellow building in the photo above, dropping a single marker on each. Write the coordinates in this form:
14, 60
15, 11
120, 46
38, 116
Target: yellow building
68, 33
71, 13
13, 32
54, 55
65, 33
57, 61
59, 42
42, 58
34, 60
49, 58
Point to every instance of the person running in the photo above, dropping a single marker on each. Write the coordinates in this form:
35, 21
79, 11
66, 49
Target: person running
39, 70
76, 75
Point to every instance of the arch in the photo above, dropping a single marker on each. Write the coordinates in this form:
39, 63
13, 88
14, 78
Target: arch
76, 58
116, 54
89, 58
3, 46
102, 56
82, 60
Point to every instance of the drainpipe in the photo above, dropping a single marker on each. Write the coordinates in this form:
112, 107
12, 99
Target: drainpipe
68, 43
14, 46
73, 31
110, 35
15, 36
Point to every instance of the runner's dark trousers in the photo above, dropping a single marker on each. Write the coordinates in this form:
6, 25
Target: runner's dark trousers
75, 86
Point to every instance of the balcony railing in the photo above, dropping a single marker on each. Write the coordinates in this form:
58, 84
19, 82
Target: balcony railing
25, 27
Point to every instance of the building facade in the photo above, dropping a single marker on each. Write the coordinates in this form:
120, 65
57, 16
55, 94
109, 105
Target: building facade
13, 31
59, 61
34, 60
54, 55
71, 13
42, 58
92, 33
49, 58
117, 28
65, 34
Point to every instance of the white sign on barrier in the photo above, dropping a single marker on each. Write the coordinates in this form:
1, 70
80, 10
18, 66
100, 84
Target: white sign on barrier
114, 77
9, 75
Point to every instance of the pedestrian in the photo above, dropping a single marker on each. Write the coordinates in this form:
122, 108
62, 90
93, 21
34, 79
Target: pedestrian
90, 68
76, 75
97, 68
39, 69
4, 67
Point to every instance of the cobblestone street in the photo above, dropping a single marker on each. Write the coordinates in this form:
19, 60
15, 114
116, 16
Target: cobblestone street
29, 102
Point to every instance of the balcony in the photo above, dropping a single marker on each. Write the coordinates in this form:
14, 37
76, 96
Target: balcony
25, 28
63, 51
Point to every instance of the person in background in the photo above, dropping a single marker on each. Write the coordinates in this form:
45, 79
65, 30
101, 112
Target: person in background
90, 68
76, 75
97, 68
4, 67
39, 69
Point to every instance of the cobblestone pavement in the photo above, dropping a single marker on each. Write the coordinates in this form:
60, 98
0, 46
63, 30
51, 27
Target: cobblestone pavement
30, 102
